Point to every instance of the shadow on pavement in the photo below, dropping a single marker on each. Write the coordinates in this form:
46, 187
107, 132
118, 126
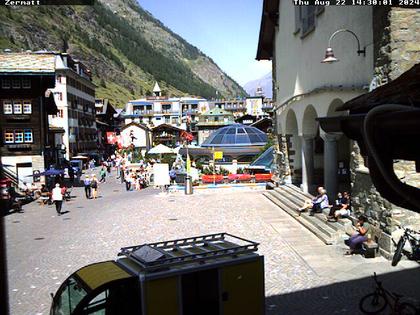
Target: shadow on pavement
344, 297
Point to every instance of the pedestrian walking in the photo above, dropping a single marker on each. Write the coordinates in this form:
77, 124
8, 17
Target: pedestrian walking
94, 186
57, 198
71, 175
88, 190
127, 179
102, 173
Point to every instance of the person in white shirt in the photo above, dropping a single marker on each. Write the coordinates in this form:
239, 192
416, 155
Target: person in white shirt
57, 197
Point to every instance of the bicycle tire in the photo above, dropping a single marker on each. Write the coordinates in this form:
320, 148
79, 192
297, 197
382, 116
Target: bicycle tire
398, 252
406, 308
370, 300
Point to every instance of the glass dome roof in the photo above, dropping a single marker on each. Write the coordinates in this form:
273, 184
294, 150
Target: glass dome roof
235, 135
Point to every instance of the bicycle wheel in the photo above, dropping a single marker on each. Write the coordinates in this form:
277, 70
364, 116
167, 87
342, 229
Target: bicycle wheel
398, 252
406, 308
373, 303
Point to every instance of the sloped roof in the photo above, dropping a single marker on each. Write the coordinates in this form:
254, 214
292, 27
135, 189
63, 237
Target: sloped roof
28, 62
267, 29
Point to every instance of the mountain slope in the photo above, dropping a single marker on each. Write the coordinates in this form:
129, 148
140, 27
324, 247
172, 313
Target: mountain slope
266, 83
125, 46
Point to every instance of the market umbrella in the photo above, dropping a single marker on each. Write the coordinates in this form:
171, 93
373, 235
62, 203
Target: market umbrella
160, 149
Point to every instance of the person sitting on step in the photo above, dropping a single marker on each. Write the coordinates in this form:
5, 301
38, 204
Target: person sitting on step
362, 233
317, 204
341, 208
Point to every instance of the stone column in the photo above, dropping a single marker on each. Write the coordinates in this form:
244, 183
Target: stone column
307, 161
331, 164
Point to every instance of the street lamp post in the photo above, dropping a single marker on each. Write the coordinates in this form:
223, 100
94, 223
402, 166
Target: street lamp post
329, 54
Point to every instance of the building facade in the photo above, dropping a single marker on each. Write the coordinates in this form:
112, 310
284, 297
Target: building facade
27, 146
74, 94
211, 120
105, 122
304, 89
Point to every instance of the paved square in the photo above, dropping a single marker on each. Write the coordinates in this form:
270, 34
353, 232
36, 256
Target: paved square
302, 274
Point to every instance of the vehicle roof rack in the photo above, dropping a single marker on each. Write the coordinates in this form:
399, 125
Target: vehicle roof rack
198, 249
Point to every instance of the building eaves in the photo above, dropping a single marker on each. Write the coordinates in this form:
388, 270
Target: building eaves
269, 21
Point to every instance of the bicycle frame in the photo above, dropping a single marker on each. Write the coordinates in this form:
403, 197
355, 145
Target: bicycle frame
414, 244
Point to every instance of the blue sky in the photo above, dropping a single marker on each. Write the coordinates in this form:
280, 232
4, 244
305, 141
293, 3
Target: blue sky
225, 30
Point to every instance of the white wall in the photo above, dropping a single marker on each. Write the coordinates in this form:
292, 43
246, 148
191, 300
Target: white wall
138, 132
298, 61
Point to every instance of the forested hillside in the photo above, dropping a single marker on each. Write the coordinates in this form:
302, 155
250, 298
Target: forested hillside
126, 48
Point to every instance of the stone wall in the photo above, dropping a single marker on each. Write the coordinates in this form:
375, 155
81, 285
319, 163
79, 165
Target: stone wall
396, 38
396, 49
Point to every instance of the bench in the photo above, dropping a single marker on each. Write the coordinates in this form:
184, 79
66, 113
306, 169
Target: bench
369, 249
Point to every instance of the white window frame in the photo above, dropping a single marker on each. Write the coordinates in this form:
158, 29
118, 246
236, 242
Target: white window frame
27, 107
6, 84
7, 134
17, 104
26, 83
7, 104
28, 132
19, 134
16, 84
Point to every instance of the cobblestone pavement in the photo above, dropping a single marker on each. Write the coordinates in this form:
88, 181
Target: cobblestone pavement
43, 249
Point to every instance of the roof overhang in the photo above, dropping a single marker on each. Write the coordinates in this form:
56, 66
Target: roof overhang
269, 21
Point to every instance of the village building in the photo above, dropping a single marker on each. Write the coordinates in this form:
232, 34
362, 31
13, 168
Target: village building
105, 122
180, 112
74, 94
136, 135
211, 120
167, 135
367, 47
27, 145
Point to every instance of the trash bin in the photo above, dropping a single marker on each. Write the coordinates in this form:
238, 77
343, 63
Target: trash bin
188, 185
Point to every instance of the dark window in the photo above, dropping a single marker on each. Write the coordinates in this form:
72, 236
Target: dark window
26, 83
305, 18
5, 84
308, 19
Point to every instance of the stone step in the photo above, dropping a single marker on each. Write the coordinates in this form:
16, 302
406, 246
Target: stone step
294, 195
300, 192
322, 231
297, 203
317, 219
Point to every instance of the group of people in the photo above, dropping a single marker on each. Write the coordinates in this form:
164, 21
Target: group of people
90, 184
136, 179
340, 209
